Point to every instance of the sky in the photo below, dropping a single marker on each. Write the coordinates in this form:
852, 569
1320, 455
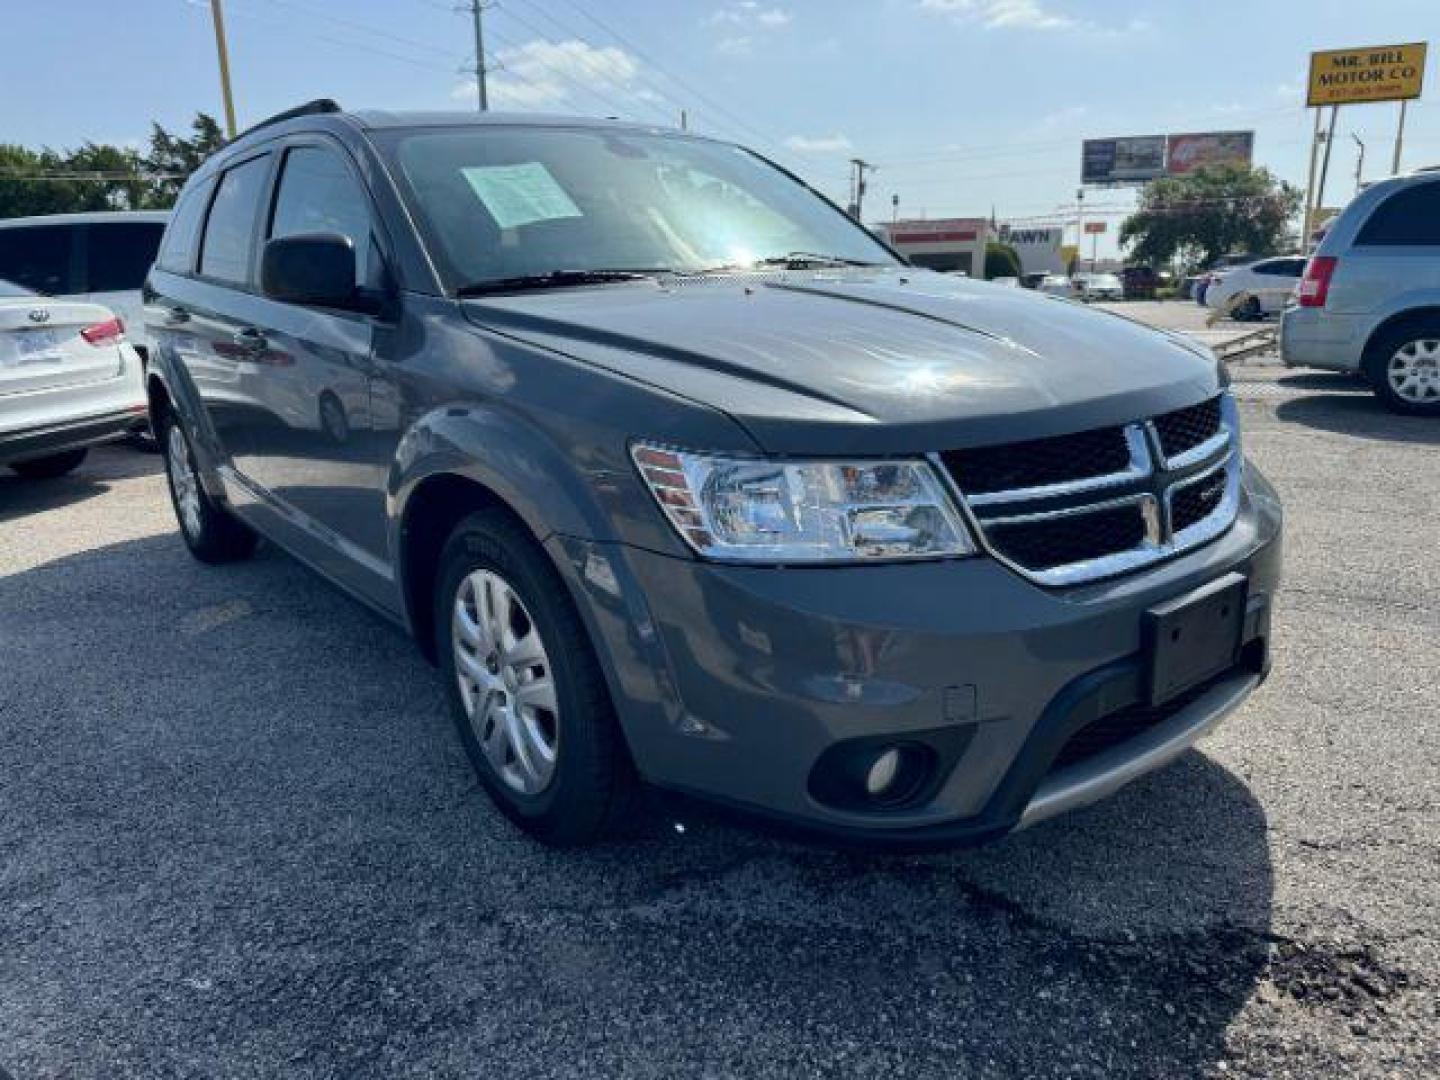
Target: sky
964, 106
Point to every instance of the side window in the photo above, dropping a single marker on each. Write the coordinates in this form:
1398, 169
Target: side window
119, 254
177, 251
39, 258
1410, 217
1269, 269
230, 229
318, 193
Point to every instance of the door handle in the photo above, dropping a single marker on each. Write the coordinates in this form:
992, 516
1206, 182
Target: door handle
249, 339
176, 315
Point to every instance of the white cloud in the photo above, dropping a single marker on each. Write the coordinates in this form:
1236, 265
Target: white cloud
819, 144
1019, 15
544, 74
743, 22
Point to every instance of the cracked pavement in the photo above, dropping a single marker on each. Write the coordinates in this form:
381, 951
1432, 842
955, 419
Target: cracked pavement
238, 838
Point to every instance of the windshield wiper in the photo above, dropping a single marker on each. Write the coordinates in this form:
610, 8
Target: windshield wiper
805, 260
555, 279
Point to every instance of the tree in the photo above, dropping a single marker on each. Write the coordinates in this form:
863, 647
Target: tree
1001, 260
173, 158
102, 177
1208, 213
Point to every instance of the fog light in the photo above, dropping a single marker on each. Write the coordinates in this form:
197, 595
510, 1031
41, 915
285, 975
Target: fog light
882, 773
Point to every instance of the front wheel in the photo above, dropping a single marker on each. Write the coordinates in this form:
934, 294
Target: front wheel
50, 466
1404, 369
211, 533
525, 687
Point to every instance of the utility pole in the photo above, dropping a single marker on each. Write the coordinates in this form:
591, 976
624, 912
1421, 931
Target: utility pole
1325, 160
1359, 161
1308, 217
858, 186
1079, 225
477, 13
894, 209
1399, 139
217, 15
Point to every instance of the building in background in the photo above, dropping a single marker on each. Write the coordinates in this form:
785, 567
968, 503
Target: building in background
1037, 245
953, 245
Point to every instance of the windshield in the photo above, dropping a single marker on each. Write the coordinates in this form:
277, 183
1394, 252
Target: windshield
1109, 281
497, 203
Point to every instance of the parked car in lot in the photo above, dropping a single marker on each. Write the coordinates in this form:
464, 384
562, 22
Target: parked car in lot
1259, 288
100, 257
68, 380
1202, 284
1059, 285
681, 478
1369, 301
1140, 282
1100, 287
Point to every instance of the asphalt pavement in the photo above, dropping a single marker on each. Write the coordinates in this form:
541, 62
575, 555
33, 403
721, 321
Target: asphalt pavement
238, 838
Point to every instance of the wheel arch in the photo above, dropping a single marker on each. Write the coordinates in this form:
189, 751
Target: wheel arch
1424, 313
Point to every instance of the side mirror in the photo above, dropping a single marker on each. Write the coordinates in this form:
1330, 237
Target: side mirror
316, 269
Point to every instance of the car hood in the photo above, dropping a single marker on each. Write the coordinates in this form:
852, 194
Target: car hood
868, 361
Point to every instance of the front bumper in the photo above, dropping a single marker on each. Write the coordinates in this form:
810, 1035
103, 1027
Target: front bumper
731, 682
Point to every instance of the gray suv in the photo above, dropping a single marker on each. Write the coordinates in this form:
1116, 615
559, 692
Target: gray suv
1369, 302
682, 479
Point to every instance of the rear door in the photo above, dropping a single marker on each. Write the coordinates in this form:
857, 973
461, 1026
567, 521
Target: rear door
209, 313
1396, 251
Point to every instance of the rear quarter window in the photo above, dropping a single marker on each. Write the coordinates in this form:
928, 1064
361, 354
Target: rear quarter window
40, 257
1410, 217
120, 254
182, 236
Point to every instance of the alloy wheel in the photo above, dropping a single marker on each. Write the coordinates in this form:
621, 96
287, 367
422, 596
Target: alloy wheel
183, 481
506, 682
1414, 371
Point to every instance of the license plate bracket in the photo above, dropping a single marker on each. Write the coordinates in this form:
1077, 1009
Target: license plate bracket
1194, 637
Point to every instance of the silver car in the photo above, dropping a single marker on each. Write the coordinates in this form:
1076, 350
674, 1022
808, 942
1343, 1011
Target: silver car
68, 380
1369, 302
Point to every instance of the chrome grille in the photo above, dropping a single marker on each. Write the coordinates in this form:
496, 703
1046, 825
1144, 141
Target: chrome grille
1039, 462
1072, 509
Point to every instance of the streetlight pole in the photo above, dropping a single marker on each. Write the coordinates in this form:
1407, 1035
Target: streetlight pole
217, 15
1359, 161
477, 13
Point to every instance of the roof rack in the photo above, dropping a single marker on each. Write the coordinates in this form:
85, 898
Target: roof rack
318, 107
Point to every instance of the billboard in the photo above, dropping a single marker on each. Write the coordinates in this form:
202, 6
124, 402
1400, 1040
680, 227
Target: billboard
1375, 73
1199, 149
1122, 161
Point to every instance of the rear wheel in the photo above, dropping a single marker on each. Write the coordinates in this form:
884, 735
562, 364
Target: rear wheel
525, 687
1404, 368
212, 534
50, 466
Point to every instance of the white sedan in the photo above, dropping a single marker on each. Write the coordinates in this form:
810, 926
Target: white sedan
1058, 285
1258, 288
68, 380
1100, 287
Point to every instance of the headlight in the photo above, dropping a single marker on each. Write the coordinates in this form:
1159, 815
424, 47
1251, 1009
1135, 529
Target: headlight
757, 510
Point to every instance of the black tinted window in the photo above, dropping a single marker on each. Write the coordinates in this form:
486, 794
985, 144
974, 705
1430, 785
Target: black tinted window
1410, 216
230, 229
38, 258
177, 253
318, 194
120, 254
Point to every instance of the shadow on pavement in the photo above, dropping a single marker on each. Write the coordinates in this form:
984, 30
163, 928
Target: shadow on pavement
1358, 414
239, 836
19, 496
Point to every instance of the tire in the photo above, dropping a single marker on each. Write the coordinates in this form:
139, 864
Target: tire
212, 533
1403, 366
1249, 311
52, 465
587, 788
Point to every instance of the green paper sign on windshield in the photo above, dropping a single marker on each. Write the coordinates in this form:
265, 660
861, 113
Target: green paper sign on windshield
519, 195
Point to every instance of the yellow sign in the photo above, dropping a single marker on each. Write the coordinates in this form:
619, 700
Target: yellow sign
1380, 73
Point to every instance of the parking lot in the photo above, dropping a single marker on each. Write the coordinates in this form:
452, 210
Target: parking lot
238, 837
